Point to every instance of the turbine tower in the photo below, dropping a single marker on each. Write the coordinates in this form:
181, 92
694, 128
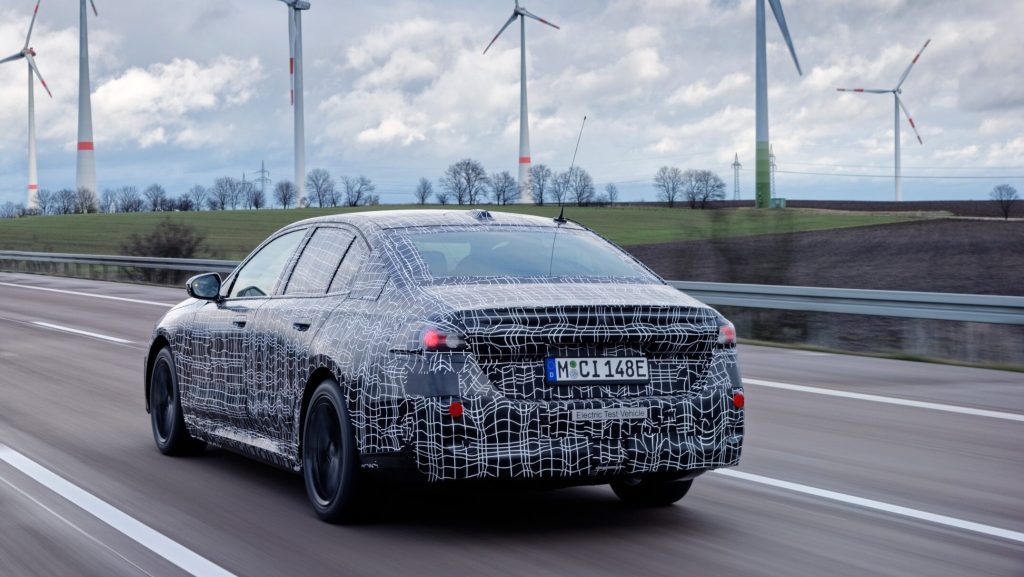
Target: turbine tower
524, 124
85, 173
31, 203
295, 8
772, 166
897, 105
736, 166
762, 168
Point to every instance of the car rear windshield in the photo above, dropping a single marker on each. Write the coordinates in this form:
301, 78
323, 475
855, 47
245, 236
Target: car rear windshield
541, 253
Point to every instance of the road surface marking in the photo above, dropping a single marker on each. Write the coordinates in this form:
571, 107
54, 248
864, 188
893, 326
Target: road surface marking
81, 294
80, 332
71, 524
887, 400
877, 505
142, 534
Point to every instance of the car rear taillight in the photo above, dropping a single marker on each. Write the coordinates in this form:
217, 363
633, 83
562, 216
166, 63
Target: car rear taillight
438, 340
726, 333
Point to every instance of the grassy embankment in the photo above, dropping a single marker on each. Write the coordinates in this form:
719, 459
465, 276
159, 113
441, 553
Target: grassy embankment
232, 234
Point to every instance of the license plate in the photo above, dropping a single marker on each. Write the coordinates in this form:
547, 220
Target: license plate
597, 370
618, 414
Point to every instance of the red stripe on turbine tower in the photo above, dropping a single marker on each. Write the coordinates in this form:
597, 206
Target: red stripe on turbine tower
524, 160
33, 187
85, 146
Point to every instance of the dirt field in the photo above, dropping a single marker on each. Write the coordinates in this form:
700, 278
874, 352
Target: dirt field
946, 255
974, 208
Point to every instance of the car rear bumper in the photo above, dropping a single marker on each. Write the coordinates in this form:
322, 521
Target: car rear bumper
496, 438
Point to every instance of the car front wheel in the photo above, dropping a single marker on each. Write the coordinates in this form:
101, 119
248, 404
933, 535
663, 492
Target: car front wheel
650, 492
165, 414
330, 463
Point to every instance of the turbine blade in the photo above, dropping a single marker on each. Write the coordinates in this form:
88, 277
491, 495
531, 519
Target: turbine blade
12, 57
510, 20
528, 14
781, 19
909, 118
95, 13
869, 90
31, 25
906, 72
32, 65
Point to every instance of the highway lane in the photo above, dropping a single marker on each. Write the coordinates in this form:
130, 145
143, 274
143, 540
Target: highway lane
74, 404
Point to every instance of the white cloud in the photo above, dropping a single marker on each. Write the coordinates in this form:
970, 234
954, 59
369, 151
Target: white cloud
700, 92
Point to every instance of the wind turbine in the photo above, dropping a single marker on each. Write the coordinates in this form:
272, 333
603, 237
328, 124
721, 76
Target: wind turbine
85, 174
897, 105
29, 55
762, 163
295, 8
524, 123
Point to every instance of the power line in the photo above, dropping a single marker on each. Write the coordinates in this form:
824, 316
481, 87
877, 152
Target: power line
920, 177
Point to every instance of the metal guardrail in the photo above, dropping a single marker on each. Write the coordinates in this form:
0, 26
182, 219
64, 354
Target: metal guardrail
920, 305
185, 264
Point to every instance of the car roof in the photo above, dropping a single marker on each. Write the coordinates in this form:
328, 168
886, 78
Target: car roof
378, 220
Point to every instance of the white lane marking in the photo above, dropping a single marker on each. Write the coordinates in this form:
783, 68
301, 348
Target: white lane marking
80, 332
877, 505
887, 400
149, 538
81, 294
75, 527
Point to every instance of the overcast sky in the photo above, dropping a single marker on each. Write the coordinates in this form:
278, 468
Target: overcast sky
189, 90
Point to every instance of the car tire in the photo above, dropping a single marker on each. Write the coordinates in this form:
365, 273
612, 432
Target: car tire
330, 461
650, 492
168, 422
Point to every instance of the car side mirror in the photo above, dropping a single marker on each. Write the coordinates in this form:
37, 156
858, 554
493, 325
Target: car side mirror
204, 286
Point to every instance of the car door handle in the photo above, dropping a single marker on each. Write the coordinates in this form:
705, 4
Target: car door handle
239, 322
302, 325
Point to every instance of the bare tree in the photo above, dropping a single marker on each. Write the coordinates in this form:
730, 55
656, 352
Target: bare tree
611, 193
580, 186
10, 210
1004, 195
423, 191
64, 201
285, 192
222, 194
358, 190
184, 203
44, 200
704, 185
465, 181
198, 195
108, 202
442, 196
670, 184
320, 186
128, 199
540, 183
257, 198
154, 194
559, 189
503, 188
85, 201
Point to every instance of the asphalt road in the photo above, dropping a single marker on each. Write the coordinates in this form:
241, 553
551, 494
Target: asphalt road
830, 485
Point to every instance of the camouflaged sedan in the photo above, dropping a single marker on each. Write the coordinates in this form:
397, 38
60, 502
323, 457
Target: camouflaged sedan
454, 345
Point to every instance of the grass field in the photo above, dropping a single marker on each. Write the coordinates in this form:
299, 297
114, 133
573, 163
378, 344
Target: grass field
232, 234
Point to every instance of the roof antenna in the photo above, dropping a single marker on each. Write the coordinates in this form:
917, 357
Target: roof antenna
561, 212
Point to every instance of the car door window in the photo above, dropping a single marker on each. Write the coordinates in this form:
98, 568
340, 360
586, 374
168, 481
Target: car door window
259, 275
350, 265
319, 261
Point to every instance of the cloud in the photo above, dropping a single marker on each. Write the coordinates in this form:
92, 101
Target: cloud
700, 92
163, 102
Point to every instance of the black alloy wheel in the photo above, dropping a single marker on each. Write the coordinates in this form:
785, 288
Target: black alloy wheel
329, 459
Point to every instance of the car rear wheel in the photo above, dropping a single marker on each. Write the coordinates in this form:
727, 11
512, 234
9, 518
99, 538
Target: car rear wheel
165, 414
330, 463
650, 492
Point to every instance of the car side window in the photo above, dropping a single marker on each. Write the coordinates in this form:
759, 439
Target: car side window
350, 265
319, 261
259, 275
